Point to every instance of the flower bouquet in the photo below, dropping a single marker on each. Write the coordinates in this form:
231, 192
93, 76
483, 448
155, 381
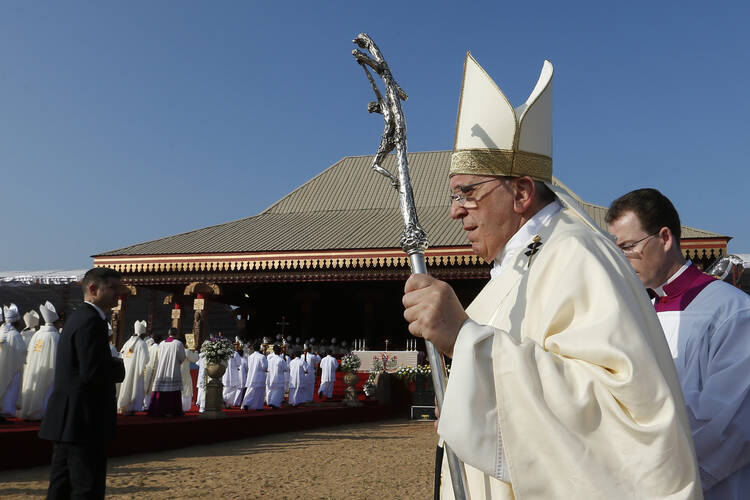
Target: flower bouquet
217, 350
350, 363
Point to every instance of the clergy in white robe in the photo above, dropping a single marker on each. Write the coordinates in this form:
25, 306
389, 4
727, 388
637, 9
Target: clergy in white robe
277, 373
328, 367
12, 359
187, 380
39, 373
561, 383
134, 354
232, 380
31, 320
200, 398
706, 323
166, 398
308, 383
149, 372
297, 378
257, 369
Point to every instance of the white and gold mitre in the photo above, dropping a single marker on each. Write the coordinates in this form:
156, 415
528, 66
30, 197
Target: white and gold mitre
493, 138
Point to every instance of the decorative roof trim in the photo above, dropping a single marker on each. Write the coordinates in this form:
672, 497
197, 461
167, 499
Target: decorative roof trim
281, 261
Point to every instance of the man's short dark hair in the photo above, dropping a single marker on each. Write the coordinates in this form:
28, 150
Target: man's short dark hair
98, 276
173, 332
652, 208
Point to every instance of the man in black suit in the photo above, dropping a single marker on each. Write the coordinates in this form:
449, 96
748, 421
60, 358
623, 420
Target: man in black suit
81, 413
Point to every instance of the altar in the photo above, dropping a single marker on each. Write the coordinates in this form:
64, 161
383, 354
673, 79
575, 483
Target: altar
392, 360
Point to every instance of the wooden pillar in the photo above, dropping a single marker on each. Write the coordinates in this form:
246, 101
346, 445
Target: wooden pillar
118, 314
201, 292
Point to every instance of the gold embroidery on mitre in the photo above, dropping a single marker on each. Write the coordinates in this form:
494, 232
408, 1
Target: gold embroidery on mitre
501, 162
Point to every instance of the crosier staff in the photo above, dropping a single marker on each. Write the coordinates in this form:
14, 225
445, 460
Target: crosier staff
413, 239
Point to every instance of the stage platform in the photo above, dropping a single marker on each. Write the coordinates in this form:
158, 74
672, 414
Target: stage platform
142, 434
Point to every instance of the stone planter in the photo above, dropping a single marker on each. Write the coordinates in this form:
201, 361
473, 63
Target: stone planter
351, 379
214, 391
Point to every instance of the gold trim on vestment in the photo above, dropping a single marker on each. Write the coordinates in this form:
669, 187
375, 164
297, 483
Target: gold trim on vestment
501, 162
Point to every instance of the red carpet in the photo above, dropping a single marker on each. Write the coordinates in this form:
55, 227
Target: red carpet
141, 434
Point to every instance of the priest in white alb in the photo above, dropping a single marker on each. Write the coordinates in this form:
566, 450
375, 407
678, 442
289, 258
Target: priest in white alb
277, 371
308, 382
187, 380
232, 379
297, 379
328, 367
31, 320
561, 385
257, 368
12, 359
39, 373
149, 372
166, 400
134, 354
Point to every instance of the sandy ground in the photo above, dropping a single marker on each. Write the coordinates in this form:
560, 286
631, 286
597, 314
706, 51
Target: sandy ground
391, 459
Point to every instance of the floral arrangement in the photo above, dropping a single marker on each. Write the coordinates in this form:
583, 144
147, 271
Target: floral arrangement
369, 387
410, 372
350, 363
217, 350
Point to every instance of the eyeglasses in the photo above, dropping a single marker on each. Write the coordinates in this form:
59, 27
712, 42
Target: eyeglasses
462, 198
630, 251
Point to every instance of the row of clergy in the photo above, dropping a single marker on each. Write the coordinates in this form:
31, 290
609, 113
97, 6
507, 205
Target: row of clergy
312, 344
27, 360
251, 378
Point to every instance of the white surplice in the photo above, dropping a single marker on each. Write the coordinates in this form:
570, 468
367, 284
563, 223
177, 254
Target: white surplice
12, 359
308, 382
134, 354
328, 367
561, 383
257, 368
707, 325
39, 373
168, 376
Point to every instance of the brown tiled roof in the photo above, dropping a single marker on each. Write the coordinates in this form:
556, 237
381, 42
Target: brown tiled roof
347, 206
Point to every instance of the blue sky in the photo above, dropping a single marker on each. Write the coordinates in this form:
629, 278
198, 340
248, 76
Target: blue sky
124, 122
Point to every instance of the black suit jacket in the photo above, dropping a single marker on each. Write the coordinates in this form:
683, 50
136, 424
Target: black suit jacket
82, 407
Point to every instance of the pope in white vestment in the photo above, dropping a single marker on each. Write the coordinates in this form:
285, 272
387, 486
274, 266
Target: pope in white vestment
12, 359
39, 374
561, 384
328, 367
134, 354
257, 369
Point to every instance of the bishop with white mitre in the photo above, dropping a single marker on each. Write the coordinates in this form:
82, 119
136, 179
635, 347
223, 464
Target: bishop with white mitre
31, 320
561, 382
12, 359
136, 357
39, 373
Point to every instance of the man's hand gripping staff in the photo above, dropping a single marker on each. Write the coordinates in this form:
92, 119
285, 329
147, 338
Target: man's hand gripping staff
428, 321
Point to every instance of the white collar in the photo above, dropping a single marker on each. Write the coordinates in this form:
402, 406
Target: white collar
659, 290
523, 235
101, 313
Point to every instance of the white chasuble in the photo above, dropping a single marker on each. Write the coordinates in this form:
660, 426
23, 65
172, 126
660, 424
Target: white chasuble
134, 355
232, 379
39, 374
562, 385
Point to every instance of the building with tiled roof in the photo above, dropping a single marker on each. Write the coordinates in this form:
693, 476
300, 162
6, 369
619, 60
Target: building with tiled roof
321, 242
